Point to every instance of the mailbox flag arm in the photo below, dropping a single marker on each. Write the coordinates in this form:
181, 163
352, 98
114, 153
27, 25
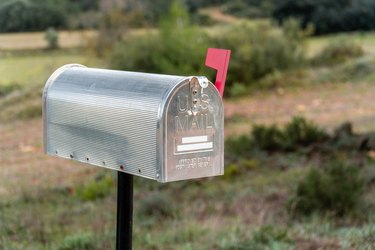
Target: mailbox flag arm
218, 59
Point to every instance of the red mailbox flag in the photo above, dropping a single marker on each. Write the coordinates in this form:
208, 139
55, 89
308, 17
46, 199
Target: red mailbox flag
218, 59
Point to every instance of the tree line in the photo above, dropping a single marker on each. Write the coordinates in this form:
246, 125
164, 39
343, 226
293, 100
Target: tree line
326, 16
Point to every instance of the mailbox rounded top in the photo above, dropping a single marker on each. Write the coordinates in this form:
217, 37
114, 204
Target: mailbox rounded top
57, 72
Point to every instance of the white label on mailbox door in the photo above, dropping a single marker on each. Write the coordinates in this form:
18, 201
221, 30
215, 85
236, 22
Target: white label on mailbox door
193, 144
194, 147
194, 139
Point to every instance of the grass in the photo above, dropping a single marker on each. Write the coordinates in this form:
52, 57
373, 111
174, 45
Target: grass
31, 68
46, 203
365, 39
203, 217
28, 71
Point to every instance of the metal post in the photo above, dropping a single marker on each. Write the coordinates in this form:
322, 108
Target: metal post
124, 211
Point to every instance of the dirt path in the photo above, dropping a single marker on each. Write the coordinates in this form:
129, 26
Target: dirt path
328, 105
23, 166
218, 15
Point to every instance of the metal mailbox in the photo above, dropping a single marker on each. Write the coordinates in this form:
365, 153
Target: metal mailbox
161, 127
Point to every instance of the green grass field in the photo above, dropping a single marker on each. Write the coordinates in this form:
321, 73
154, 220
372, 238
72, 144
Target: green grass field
30, 68
365, 39
23, 75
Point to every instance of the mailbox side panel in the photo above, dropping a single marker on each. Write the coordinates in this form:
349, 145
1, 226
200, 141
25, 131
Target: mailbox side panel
106, 118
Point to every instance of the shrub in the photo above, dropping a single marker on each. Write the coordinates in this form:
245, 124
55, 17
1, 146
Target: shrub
359, 70
249, 164
268, 234
297, 133
6, 89
259, 50
156, 204
268, 138
301, 132
287, 78
81, 241
338, 52
238, 146
230, 171
52, 37
30, 111
238, 89
178, 48
337, 188
96, 189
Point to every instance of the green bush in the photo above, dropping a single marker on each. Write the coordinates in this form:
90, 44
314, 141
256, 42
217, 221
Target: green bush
156, 204
297, 133
336, 188
178, 48
52, 38
96, 189
30, 111
238, 89
301, 132
113, 25
81, 241
288, 78
338, 52
231, 171
238, 146
6, 89
261, 49
358, 70
268, 234
268, 138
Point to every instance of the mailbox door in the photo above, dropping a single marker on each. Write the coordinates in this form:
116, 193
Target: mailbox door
193, 132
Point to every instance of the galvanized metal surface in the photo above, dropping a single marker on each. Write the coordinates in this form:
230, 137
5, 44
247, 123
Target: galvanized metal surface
194, 120
157, 126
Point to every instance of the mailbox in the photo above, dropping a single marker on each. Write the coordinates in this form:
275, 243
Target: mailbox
161, 127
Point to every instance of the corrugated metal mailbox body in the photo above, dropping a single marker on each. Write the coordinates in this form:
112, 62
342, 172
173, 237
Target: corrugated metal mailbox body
161, 127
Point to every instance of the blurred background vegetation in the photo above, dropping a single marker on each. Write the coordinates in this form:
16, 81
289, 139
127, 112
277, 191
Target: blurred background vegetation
299, 117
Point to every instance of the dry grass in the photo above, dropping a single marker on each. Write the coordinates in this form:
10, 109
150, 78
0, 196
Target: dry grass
365, 39
36, 40
217, 15
210, 212
328, 105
